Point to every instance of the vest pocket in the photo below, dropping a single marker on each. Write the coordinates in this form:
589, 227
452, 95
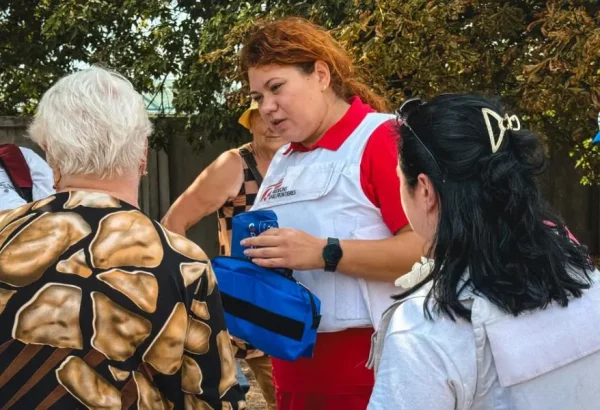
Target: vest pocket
298, 183
349, 303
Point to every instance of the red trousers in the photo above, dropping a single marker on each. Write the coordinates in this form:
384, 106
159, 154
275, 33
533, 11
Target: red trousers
334, 379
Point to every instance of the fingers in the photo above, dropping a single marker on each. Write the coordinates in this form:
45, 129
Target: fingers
272, 232
272, 252
268, 249
267, 238
273, 263
262, 241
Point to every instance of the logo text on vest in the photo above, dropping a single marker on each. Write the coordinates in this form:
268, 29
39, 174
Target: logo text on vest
276, 190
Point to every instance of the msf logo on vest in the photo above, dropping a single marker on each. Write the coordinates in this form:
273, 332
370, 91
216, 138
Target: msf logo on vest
277, 190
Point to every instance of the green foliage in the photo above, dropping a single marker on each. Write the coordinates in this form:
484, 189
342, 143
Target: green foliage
42, 40
542, 58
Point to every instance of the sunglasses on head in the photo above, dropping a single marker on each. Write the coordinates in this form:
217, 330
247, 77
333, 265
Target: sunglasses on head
407, 108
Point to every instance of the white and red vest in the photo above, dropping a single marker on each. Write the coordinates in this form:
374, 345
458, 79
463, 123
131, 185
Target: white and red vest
320, 193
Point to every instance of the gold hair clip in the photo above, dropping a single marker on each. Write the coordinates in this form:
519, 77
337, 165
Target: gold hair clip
512, 123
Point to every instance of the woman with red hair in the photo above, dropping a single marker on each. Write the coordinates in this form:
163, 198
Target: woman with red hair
335, 191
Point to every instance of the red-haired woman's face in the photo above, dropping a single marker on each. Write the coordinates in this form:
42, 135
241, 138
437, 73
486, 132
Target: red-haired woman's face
290, 101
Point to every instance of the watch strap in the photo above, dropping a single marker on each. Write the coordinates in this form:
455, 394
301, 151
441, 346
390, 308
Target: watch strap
330, 264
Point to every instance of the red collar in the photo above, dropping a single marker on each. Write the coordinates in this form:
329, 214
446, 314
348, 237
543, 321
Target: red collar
335, 136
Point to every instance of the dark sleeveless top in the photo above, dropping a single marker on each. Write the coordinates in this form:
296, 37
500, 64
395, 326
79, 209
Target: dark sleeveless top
243, 201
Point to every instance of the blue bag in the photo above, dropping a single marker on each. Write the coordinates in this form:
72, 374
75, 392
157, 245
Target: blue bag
265, 307
248, 224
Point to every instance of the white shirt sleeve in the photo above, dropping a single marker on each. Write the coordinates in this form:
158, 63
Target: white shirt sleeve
41, 174
425, 364
413, 376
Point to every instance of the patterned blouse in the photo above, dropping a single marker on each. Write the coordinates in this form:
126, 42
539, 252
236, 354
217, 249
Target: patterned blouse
103, 308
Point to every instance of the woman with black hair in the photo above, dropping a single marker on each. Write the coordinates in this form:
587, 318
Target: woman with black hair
506, 312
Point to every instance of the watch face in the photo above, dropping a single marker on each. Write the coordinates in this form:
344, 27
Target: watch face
333, 253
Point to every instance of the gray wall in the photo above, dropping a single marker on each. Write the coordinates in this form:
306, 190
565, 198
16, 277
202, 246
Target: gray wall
13, 130
171, 172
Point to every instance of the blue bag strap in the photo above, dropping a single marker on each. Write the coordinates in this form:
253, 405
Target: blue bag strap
271, 321
316, 318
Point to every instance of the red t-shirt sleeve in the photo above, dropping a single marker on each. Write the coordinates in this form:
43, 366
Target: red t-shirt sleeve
378, 176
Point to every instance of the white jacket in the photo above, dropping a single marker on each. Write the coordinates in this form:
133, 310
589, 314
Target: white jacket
541, 360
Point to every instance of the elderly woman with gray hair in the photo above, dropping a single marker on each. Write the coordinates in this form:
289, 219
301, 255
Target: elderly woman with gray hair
100, 306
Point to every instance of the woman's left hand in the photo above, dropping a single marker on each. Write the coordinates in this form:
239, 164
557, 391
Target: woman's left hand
286, 248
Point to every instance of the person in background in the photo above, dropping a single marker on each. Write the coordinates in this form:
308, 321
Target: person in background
505, 314
229, 186
336, 195
100, 306
24, 177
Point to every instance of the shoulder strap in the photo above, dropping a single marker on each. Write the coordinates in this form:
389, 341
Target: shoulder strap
378, 337
13, 161
249, 159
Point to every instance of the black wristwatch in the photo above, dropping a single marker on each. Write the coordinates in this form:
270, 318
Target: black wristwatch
332, 254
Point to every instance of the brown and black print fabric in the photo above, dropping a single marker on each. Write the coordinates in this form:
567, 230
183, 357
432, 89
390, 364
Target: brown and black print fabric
241, 203
103, 308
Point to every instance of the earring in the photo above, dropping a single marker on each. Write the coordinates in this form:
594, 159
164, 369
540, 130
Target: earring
143, 169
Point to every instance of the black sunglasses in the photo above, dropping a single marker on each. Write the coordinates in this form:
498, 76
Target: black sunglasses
407, 108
